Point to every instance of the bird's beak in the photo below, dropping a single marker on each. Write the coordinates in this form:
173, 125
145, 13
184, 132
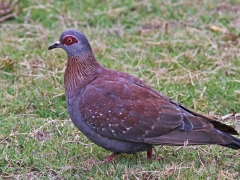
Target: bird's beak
55, 45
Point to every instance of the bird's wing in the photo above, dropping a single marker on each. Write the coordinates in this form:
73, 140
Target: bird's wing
121, 109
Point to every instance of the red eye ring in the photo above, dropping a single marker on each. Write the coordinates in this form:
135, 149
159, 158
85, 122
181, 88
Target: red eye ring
69, 40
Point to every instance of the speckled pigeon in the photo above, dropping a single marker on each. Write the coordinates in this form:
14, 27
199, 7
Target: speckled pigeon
122, 114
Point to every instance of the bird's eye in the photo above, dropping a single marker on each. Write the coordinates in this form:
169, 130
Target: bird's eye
69, 40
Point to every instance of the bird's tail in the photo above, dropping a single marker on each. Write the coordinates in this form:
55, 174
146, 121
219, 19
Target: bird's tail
235, 144
196, 137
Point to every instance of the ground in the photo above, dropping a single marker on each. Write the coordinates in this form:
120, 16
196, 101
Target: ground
188, 50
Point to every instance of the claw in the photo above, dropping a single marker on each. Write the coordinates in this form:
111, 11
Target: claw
110, 158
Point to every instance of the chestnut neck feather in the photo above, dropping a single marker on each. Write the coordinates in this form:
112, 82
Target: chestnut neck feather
80, 70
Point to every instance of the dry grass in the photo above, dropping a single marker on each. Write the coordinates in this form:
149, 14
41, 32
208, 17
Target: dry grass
187, 50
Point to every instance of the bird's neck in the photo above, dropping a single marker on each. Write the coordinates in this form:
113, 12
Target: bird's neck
79, 72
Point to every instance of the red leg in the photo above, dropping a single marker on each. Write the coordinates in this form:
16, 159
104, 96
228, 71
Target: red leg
149, 154
110, 158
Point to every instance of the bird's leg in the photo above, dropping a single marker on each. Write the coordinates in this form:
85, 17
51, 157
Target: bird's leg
149, 154
110, 158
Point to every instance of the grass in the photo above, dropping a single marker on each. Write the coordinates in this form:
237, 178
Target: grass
173, 45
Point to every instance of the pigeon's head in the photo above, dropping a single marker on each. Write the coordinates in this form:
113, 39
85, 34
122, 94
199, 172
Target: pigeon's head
73, 42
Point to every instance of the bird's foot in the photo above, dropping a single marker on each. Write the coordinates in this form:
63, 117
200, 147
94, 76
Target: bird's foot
110, 158
150, 156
